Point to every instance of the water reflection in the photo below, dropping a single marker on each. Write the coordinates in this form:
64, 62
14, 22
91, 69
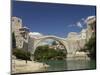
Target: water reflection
80, 64
59, 65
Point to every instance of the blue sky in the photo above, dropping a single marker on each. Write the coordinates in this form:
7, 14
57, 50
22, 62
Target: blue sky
52, 19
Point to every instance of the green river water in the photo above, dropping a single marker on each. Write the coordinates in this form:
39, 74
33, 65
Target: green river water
61, 65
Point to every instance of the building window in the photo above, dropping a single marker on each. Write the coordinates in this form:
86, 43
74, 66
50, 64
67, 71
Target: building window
12, 19
18, 20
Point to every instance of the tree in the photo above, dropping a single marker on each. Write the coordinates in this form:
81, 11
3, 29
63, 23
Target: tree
54, 43
13, 40
21, 54
91, 47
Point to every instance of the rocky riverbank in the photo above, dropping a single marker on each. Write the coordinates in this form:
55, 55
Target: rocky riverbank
20, 66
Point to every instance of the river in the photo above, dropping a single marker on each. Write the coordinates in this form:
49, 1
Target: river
61, 65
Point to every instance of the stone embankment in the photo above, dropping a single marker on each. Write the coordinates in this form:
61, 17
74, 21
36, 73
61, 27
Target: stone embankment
78, 56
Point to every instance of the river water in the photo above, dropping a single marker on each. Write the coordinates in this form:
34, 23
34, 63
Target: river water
61, 65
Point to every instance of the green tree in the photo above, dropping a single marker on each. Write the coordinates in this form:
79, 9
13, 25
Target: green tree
21, 54
13, 40
91, 47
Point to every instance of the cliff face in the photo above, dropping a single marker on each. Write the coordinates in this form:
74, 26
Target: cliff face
75, 45
76, 41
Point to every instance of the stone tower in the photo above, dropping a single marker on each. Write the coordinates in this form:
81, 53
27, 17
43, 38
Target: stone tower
16, 24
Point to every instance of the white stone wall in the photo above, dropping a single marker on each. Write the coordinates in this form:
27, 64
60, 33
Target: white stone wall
30, 44
83, 34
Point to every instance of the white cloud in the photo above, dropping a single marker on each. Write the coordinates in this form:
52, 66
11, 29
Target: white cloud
35, 34
83, 19
82, 22
79, 24
71, 25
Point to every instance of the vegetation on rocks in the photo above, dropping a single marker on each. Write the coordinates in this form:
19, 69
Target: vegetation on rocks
91, 47
46, 53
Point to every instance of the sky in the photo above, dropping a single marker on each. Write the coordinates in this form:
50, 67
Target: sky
51, 18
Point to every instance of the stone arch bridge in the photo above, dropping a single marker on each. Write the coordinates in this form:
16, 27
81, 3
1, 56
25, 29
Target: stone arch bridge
33, 44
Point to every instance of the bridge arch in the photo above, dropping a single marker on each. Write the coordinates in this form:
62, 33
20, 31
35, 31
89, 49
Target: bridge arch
41, 39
